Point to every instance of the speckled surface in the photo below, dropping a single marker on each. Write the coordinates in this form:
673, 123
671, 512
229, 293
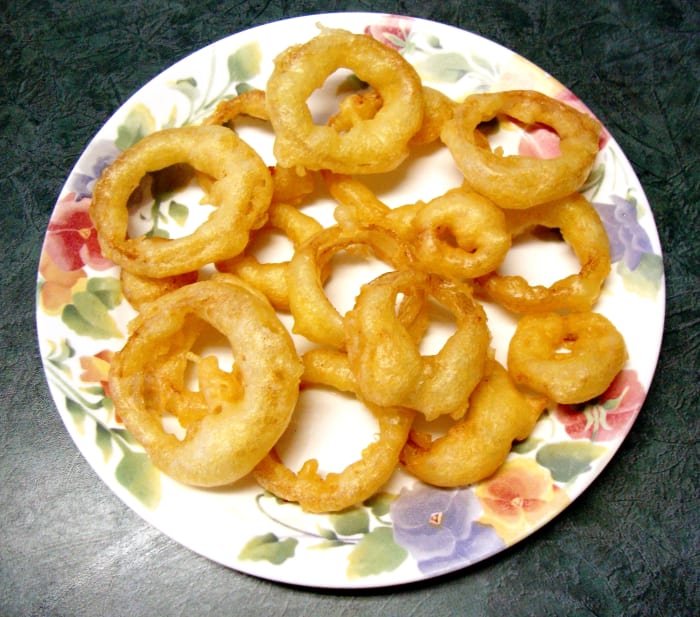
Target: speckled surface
68, 546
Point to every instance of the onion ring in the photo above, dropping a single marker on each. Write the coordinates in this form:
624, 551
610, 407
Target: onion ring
518, 181
386, 360
315, 317
571, 358
476, 446
372, 146
359, 480
581, 227
243, 188
236, 434
460, 234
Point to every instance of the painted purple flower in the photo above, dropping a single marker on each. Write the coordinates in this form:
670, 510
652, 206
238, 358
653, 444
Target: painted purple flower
628, 240
102, 153
439, 528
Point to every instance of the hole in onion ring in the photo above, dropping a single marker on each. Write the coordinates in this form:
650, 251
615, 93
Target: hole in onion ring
541, 259
329, 426
324, 102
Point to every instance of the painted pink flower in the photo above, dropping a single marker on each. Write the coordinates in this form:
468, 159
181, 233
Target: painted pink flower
71, 238
610, 416
392, 31
542, 142
519, 497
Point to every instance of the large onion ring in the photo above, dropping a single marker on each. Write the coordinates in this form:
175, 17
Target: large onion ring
242, 190
371, 146
235, 435
571, 358
386, 360
517, 181
477, 445
581, 227
359, 480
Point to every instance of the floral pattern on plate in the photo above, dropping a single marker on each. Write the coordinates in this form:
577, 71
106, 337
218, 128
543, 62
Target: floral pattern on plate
410, 531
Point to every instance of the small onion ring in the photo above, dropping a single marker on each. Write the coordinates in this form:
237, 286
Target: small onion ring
386, 359
477, 226
242, 189
477, 445
581, 227
571, 358
359, 480
517, 181
372, 146
235, 435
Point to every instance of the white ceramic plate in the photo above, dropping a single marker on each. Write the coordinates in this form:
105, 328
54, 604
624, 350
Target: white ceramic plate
409, 532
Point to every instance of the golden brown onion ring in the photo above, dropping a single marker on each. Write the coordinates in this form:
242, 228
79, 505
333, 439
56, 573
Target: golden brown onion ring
242, 190
315, 317
581, 227
386, 360
139, 290
477, 445
515, 181
371, 146
359, 480
571, 358
235, 435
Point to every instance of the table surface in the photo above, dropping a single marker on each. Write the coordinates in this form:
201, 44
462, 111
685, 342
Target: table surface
68, 546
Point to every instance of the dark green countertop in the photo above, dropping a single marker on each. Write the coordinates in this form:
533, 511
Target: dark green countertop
69, 546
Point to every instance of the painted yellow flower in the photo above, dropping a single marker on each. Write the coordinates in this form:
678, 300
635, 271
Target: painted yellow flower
518, 498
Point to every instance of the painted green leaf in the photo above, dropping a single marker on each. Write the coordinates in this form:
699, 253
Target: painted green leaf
325, 544
448, 67
76, 411
569, 459
88, 316
380, 503
137, 124
523, 447
433, 41
107, 289
244, 86
327, 534
103, 439
645, 279
269, 547
245, 62
188, 87
178, 212
137, 474
350, 522
375, 553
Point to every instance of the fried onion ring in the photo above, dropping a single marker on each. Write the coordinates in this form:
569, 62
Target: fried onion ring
571, 358
315, 317
359, 480
242, 189
236, 434
386, 360
476, 446
371, 146
581, 227
517, 181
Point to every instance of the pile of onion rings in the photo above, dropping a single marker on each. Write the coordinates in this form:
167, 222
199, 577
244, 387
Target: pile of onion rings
441, 260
